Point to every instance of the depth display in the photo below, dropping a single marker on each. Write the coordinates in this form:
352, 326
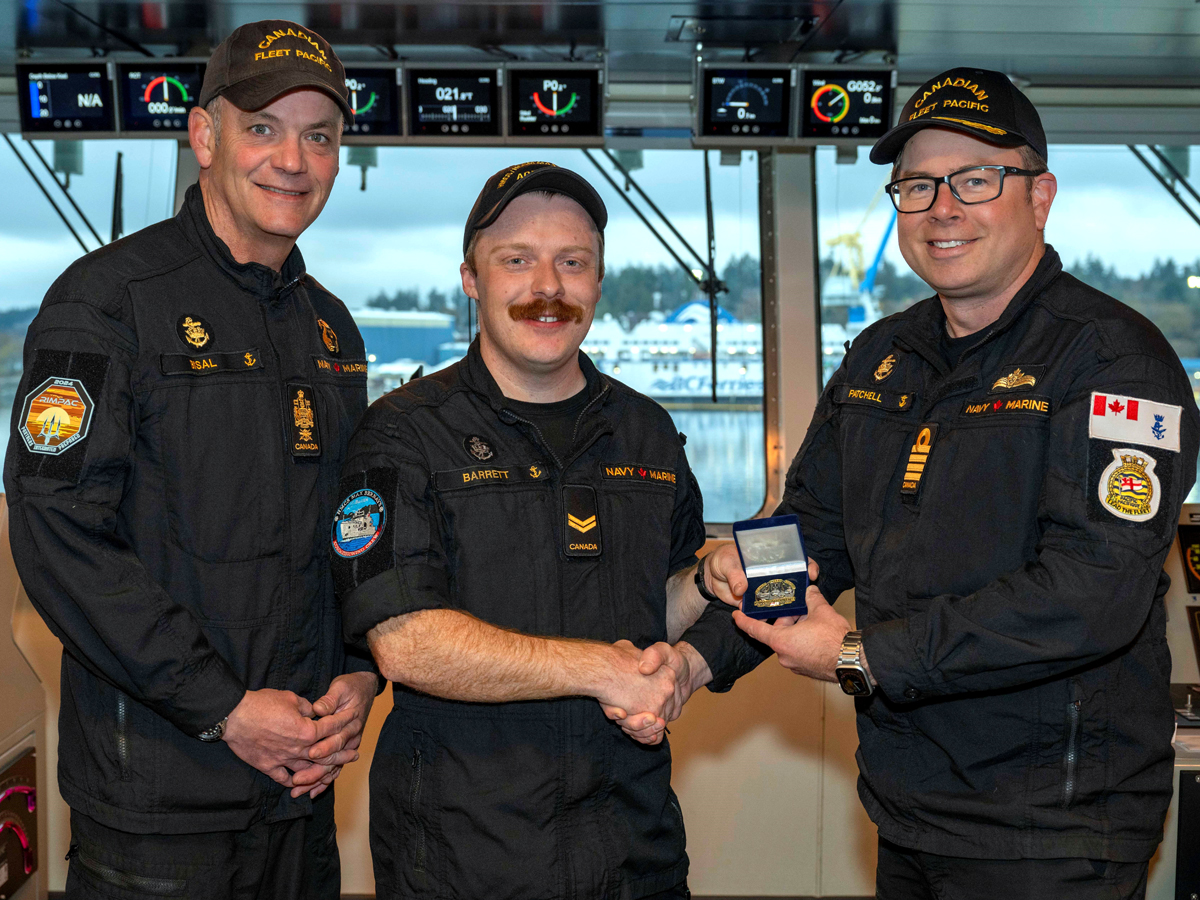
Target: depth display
453, 102
555, 103
67, 98
373, 97
157, 98
843, 104
747, 102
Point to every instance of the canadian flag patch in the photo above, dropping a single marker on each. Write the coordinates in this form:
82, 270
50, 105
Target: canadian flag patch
1131, 420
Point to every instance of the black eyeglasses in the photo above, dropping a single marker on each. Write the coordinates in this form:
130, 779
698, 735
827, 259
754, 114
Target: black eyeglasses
978, 184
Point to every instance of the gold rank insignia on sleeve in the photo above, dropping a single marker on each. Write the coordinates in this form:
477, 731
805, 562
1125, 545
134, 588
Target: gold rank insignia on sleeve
918, 459
885, 368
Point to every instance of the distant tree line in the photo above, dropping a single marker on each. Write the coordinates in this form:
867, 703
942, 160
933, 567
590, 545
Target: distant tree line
630, 293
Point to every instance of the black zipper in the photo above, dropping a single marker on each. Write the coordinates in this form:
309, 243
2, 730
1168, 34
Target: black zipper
415, 800
1071, 754
123, 736
163, 887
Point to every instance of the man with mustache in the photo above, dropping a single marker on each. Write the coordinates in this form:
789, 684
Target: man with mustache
188, 395
514, 528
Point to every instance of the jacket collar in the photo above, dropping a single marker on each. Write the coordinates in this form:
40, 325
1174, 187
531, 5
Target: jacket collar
479, 379
924, 328
262, 281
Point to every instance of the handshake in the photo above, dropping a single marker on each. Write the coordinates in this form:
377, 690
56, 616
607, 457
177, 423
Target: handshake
643, 690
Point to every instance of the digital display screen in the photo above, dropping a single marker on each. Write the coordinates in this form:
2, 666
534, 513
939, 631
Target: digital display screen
66, 98
1189, 549
843, 104
453, 102
374, 99
158, 97
548, 103
747, 102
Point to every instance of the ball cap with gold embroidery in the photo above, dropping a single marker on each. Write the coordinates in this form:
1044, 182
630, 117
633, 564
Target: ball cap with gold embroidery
507, 184
264, 60
978, 102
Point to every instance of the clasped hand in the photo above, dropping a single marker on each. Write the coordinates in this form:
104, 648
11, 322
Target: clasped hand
655, 683
298, 744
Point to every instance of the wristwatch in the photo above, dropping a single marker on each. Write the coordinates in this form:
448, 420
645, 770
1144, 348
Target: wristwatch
851, 674
701, 586
214, 734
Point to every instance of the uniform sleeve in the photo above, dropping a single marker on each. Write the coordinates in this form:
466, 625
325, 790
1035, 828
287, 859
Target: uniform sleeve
404, 569
74, 425
1089, 590
813, 491
725, 647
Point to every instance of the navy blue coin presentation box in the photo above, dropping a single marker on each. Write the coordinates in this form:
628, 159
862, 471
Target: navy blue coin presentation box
776, 566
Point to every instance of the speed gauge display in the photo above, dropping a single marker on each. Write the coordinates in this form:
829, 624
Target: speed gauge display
157, 98
749, 103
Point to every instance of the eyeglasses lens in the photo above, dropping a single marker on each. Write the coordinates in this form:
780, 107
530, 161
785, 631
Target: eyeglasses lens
970, 186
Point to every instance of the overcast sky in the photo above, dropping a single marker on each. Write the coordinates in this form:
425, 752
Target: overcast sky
405, 230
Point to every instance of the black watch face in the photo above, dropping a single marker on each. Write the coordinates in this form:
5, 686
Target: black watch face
853, 682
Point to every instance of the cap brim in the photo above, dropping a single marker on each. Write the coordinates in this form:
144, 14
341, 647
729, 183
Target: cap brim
555, 180
257, 91
888, 147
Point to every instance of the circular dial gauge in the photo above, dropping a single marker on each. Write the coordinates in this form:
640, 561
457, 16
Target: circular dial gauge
830, 103
362, 98
554, 100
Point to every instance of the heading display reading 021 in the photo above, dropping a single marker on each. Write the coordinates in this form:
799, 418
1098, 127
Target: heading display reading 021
843, 104
453, 102
158, 98
66, 98
747, 102
555, 103
372, 96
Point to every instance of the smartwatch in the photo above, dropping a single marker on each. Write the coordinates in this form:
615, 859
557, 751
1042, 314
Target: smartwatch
214, 734
851, 674
701, 586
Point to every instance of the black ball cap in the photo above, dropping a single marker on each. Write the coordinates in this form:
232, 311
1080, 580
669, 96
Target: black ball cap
514, 181
978, 102
264, 60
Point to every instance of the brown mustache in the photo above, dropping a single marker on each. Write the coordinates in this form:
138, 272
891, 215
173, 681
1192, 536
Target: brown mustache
536, 309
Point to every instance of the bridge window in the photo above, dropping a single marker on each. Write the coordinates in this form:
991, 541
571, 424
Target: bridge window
1113, 224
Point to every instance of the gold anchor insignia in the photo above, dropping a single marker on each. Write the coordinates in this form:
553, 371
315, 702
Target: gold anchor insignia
250, 360
903, 400
328, 335
302, 413
535, 472
196, 335
1014, 379
885, 367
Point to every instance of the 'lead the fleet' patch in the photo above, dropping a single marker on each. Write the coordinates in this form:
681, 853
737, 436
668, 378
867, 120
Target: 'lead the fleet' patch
1128, 488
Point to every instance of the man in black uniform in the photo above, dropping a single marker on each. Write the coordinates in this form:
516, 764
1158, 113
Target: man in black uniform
513, 528
187, 398
997, 472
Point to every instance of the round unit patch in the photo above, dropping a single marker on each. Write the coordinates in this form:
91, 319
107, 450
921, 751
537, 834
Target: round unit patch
358, 523
478, 447
1128, 488
56, 416
194, 332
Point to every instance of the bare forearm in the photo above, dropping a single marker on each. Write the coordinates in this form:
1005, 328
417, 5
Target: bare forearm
684, 603
453, 655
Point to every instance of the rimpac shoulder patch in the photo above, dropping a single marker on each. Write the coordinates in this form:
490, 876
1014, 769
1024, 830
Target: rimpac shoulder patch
56, 415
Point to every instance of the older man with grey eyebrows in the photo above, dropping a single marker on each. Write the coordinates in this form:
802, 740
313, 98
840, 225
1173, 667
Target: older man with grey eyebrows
171, 526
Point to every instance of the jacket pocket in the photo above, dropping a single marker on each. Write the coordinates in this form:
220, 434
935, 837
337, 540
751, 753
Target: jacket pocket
1071, 752
127, 881
414, 803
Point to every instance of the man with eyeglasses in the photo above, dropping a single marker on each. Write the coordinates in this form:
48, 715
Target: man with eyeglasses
997, 471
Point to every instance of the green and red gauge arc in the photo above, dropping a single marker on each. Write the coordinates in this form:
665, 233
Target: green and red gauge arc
167, 82
555, 111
